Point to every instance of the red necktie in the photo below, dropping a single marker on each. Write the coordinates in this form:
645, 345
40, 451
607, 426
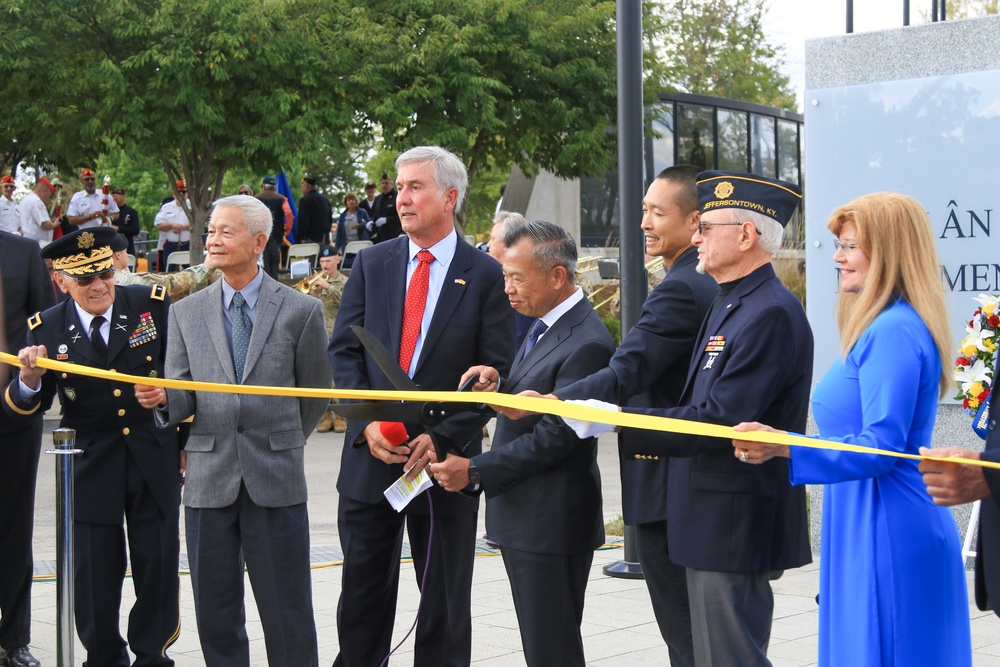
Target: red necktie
413, 312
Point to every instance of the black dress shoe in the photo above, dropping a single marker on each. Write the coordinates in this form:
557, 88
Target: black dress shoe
19, 657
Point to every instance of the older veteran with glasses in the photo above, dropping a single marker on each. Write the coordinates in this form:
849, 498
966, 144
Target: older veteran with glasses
892, 577
129, 468
735, 527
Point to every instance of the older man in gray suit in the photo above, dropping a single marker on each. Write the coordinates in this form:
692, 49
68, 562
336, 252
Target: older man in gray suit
246, 486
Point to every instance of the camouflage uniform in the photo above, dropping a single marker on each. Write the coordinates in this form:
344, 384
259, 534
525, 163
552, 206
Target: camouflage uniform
330, 296
178, 285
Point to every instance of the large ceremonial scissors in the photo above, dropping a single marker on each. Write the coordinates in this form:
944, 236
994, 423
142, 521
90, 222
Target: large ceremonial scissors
431, 415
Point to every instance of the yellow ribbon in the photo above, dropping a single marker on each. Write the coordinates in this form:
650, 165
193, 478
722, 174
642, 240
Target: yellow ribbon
537, 405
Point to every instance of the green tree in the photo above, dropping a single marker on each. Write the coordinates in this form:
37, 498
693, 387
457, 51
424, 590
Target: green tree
40, 88
718, 48
964, 9
497, 81
208, 86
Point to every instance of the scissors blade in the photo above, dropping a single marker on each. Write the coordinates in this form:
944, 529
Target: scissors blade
397, 376
384, 411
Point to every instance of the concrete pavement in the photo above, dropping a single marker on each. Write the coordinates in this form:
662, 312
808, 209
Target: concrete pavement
618, 625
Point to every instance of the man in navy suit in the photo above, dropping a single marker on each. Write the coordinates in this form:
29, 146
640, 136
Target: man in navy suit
542, 482
737, 527
649, 370
464, 321
955, 484
26, 290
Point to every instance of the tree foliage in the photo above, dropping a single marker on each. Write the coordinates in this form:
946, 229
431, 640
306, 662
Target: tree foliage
718, 48
497, 81
964, 9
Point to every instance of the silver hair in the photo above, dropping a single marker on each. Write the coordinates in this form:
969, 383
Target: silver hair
449, 171
508, 220
771, 231
553, 245
256, 216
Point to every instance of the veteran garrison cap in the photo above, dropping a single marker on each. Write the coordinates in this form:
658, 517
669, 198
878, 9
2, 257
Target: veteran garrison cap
767, 196
85, 252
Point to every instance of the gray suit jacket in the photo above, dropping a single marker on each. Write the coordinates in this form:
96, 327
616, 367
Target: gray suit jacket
256, 439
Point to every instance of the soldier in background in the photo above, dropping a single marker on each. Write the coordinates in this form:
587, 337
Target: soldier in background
128, 219
178, 284
327, 287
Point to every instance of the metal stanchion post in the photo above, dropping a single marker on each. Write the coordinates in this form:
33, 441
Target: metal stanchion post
633, 267
65, 449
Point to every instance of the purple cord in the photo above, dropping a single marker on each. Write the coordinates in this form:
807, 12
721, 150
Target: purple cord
423, 580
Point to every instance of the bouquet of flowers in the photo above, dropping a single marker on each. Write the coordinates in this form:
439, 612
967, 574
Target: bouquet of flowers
977, 354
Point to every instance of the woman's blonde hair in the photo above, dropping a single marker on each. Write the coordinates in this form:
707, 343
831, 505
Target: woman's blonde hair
894, 233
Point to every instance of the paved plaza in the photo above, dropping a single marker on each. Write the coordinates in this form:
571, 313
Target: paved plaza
618, 625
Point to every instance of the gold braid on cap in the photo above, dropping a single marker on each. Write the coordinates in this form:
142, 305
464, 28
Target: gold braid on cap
96, 261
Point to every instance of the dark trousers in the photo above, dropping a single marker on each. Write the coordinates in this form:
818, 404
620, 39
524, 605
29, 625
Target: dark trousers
731, 616
272, 258
19, 461
371, 537
549, 591
274, 544
99, 572
667, 584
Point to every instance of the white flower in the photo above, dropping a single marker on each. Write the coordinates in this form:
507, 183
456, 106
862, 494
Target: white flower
969, 375
988, 302
976, 335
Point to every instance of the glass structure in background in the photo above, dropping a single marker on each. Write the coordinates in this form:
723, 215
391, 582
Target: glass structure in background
712, 133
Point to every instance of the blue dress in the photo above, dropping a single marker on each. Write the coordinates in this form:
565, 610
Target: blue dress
892, 578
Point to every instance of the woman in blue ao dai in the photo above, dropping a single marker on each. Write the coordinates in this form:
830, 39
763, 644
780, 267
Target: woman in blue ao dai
892, 578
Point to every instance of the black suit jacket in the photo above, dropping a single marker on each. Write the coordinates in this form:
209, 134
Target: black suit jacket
753, 362
27, 289
106, 415
472, 324
128, 225
542, 481
988, 549
649, 370
315, 217
385, 206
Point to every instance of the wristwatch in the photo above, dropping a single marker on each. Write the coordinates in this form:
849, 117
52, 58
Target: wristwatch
474, 480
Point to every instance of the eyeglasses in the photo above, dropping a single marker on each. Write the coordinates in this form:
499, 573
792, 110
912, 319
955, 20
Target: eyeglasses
183, 192
703, 225
84, 282
846, 246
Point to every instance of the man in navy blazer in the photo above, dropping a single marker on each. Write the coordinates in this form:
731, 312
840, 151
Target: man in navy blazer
465, 320
648, 370
737, 527
954, 484
26, 290
542, 482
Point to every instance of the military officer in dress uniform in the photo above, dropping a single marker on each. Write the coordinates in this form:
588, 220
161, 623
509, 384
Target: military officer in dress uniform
128, 468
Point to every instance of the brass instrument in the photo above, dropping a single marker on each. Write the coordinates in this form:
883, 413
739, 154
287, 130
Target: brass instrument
306, 284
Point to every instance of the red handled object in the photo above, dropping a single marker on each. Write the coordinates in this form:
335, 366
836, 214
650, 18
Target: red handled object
394, 432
